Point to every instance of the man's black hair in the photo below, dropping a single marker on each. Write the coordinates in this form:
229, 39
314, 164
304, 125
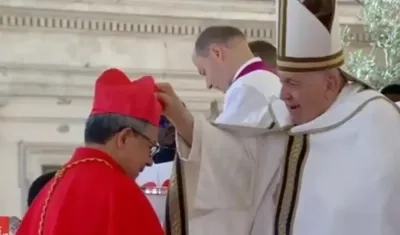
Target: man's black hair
391, 89
216, 34
102, 127
38, 185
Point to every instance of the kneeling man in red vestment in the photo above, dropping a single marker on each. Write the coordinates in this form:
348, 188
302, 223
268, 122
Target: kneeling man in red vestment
95, 193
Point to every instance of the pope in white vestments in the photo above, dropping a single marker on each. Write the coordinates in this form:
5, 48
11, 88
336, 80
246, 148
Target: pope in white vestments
248, 89
340, 175
329, 165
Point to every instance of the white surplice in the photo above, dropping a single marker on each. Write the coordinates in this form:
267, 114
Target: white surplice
341, 180
226, 177
246, 101
245, 104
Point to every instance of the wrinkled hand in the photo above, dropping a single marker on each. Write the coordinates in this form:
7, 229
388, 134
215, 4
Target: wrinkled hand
175, 111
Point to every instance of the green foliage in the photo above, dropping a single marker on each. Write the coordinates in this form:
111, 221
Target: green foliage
382, 22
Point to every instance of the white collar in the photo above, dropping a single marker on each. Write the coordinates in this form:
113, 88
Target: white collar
351, 99
247, 63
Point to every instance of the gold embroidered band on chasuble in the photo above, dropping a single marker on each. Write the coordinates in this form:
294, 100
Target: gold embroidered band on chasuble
176, 219
296, 157
308, 36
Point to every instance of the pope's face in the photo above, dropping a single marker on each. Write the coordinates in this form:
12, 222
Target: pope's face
307, 95
213, 68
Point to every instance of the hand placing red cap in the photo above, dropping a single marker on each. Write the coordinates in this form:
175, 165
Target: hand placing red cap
116, 93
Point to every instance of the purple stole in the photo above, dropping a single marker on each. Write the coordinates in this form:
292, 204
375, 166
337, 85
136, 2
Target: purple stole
257, 65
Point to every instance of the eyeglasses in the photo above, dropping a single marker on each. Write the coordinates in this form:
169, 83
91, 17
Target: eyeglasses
155, 146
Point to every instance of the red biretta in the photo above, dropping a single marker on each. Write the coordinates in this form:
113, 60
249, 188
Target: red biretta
95, 193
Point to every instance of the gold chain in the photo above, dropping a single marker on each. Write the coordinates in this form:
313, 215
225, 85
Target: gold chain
60, 173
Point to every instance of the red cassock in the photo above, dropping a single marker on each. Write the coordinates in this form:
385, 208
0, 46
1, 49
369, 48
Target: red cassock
92, 194
92, 197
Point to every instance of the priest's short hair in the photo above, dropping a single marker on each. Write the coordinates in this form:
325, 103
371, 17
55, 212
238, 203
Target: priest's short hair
216, 34
38, 185
100, 128
265, 50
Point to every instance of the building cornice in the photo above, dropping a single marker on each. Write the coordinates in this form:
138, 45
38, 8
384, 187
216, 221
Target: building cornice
251, 10
57, 86
155, 17
76, 81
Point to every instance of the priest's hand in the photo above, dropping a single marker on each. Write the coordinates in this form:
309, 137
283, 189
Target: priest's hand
175, 111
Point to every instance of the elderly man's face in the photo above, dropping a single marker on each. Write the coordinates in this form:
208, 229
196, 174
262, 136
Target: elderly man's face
307, 95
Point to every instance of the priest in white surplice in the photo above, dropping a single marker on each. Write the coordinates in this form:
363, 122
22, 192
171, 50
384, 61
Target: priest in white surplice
329, 167
222, 55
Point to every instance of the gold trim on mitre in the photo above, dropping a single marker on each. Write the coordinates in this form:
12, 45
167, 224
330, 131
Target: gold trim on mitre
289, 64
308, 36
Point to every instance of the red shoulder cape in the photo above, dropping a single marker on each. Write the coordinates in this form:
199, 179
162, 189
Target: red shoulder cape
92, 198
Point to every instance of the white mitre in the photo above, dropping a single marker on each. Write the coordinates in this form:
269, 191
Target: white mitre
309, 36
